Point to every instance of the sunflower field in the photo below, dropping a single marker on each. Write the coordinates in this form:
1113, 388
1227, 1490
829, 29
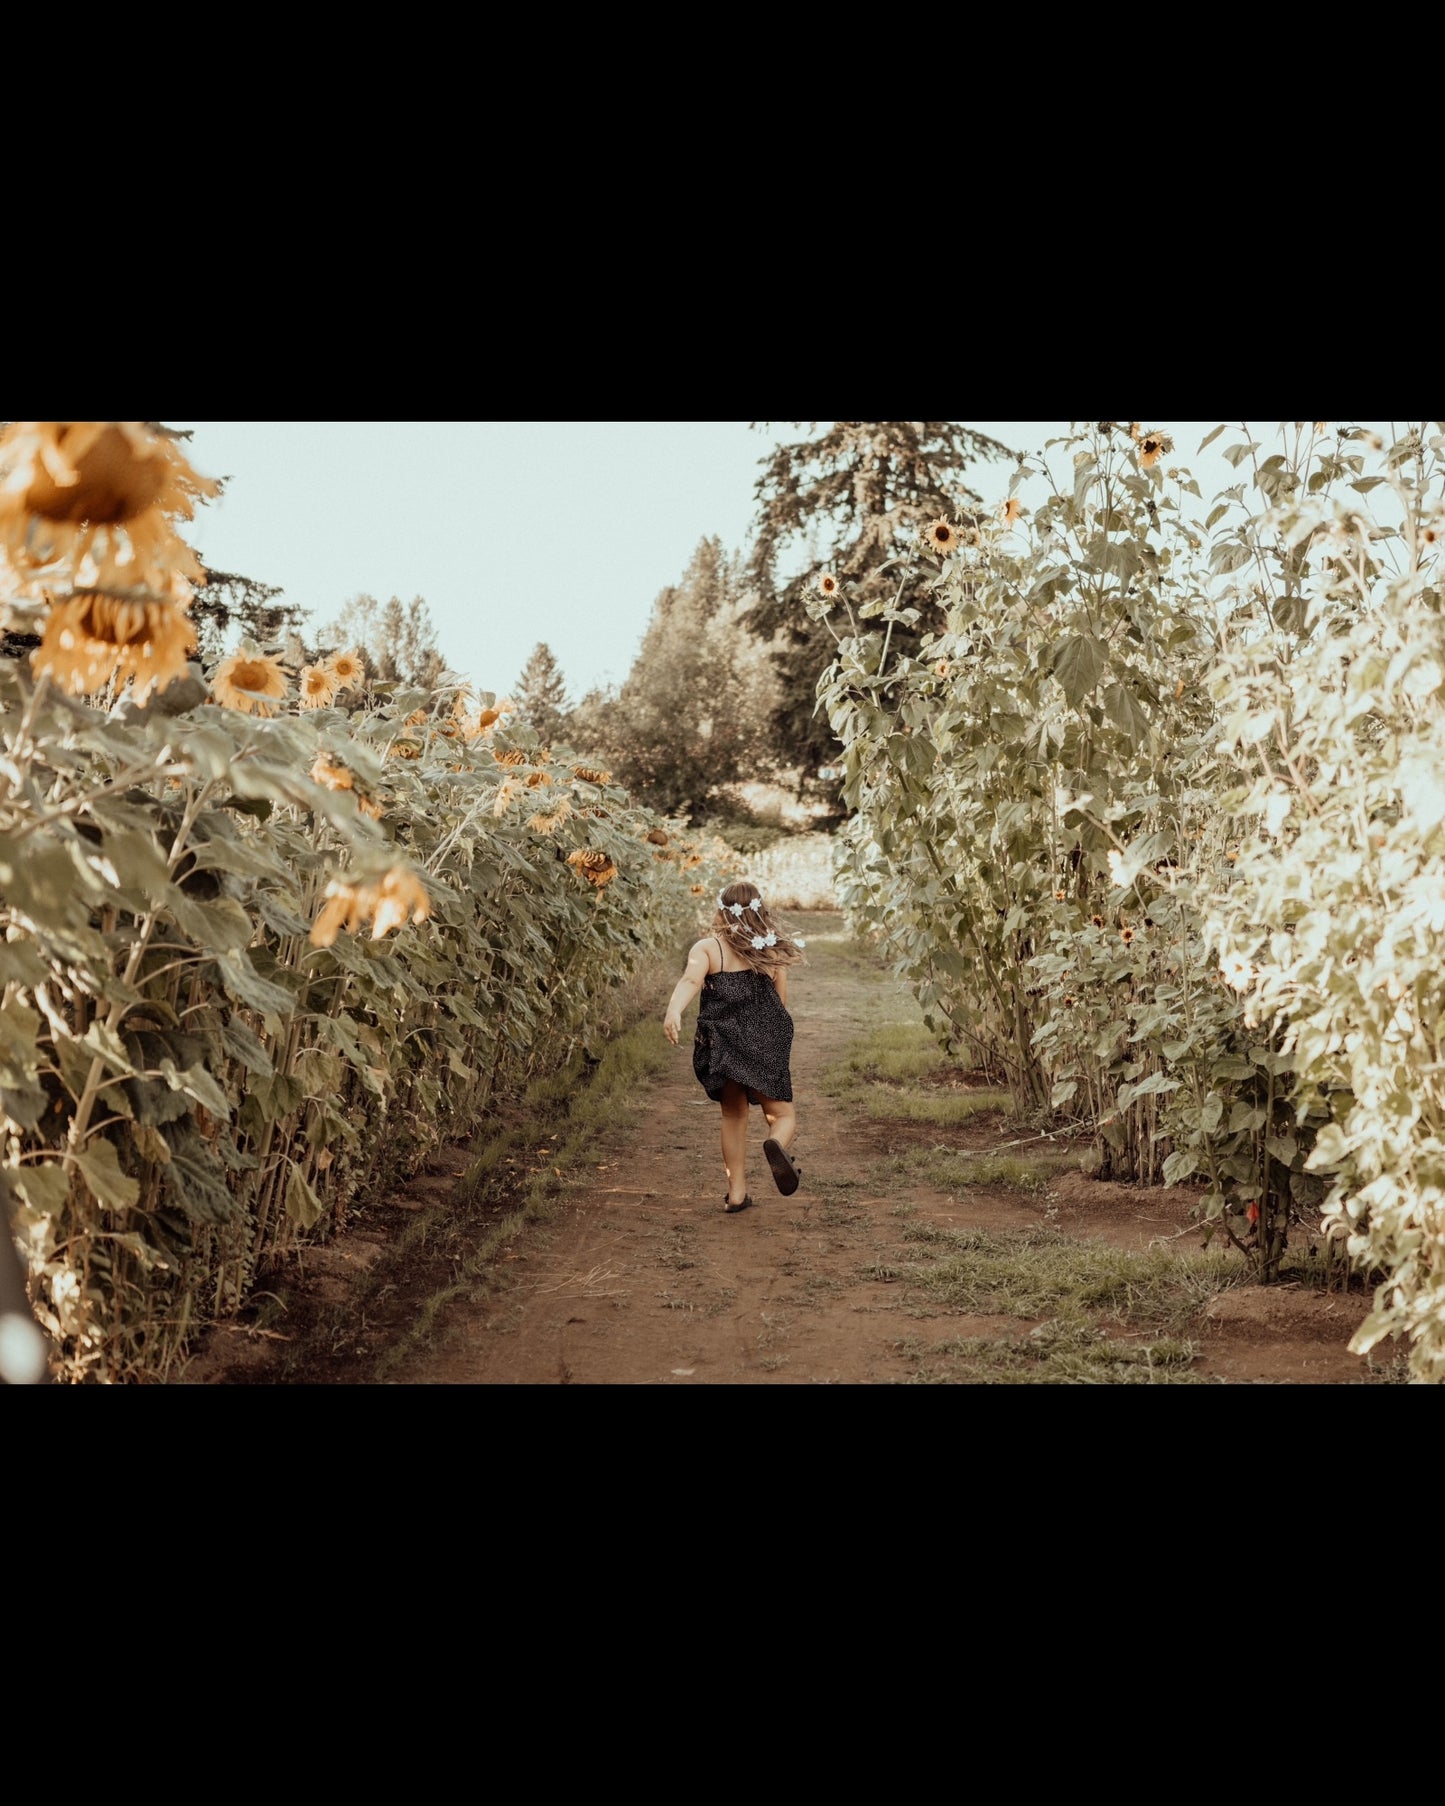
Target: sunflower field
270, 938
1153, 822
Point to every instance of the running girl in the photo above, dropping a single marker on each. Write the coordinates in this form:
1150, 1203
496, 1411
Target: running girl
744, 1038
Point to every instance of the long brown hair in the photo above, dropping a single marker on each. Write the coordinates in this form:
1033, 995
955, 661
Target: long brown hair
754, 922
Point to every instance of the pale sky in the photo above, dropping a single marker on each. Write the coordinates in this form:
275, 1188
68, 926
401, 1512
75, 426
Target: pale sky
515, 532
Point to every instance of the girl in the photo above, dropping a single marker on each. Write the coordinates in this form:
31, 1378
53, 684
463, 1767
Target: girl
744, 1032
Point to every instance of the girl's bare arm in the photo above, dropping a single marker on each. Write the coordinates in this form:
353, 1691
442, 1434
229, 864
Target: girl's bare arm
686, 988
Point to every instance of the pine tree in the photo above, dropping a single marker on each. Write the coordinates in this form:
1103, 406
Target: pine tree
847, 503
690, 718
540, 698
396, 643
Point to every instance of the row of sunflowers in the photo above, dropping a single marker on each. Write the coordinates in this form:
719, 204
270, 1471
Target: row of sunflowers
269, 937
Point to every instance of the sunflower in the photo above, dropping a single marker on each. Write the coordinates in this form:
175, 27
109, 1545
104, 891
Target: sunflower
395, 899
548, 824
535, 779
514, 756
1136, 432
100, 491
939, 535
827, 585
404, 749
91, 638
1126, 935
1098, 921
594, 866
327, 769
318, 687
250, 682
1151, 448
346, 669
655, 837
506, 790
942, 668
590, 775
1011, 511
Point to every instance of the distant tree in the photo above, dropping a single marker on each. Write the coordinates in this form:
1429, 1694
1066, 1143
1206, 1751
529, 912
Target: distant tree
690, 717
395, 642
847, 502
540, 698
228, 606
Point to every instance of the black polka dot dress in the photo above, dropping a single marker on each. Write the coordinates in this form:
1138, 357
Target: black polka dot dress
744, 1032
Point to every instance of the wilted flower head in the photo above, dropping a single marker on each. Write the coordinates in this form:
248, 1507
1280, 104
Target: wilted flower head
392, 901
91, 639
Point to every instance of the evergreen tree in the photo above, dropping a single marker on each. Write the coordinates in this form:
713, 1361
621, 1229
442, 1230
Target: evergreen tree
690, 717
228, 606
396, 643
540, 698
847, 503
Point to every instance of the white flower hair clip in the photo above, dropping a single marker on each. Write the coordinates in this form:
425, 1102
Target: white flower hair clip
760, 940
798, 941
736, 909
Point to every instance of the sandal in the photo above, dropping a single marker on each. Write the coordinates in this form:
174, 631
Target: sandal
733, 1209
786, 1171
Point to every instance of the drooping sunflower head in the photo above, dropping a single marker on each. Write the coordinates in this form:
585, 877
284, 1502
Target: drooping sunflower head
940, 535
1152, 446
1011, 511
332, 772
595, 866
318, 687
97, 472
91, 639
249, 681
590, 775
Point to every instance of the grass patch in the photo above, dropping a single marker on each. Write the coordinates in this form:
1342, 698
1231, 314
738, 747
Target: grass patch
1041, 1273
1054, 1354
951, 1169
897, 1073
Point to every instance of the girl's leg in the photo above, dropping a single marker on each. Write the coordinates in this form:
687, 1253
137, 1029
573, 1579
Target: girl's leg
782, 1121
735, 1140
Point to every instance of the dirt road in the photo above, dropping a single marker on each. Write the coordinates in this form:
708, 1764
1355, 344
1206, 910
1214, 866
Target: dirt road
640, 1278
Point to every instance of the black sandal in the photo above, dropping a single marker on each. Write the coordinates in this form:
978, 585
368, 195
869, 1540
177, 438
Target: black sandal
786, 1171
733, 1209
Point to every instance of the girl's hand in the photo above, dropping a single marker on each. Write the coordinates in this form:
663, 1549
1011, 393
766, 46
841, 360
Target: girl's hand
671, 1026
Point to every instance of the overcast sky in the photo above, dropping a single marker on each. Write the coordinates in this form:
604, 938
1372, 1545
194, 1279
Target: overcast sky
516, 532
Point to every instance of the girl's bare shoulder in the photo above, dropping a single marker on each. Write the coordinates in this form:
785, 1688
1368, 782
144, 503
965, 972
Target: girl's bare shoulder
706, 950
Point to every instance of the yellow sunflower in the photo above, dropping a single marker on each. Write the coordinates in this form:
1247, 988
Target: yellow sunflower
250, 682
827, 585
395, 899
940, 535
102, 494
92, 638
1012, 509
514, 756
548, 824
327, 769
318, 687
345, 668
594, 866
1152, 446
589, 775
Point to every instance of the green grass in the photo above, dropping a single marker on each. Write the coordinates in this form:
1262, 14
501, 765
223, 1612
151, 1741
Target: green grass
951, 1169
1053, 1355
897, 1073
1041, 1273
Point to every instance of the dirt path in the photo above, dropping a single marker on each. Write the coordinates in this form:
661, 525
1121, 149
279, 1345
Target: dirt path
640, 1278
